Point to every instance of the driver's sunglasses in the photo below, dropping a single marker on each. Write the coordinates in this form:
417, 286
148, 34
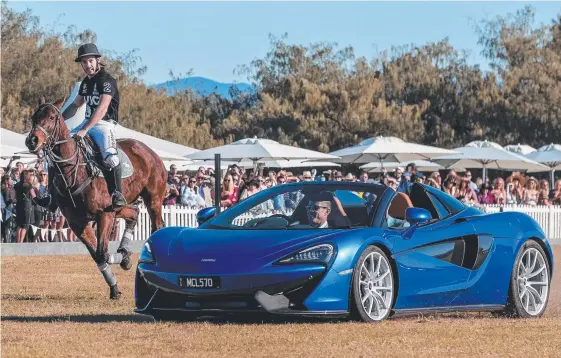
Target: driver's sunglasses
316, 207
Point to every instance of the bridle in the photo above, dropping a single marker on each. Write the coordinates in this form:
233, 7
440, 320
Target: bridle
52, 140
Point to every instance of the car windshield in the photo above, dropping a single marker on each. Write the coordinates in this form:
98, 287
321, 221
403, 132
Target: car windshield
313, 206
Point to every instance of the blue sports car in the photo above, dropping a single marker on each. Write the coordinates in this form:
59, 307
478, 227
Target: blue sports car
346, 249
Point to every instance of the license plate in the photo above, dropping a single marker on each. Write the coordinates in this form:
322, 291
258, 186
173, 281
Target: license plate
199, 282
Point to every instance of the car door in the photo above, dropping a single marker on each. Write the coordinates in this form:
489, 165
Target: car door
429, 259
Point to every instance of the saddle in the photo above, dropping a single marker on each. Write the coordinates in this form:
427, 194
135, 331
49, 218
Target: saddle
94, 160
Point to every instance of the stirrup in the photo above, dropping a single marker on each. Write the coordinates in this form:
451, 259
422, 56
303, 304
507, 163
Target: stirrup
118, 199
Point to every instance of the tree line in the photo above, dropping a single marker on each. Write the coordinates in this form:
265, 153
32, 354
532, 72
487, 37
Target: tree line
319, 96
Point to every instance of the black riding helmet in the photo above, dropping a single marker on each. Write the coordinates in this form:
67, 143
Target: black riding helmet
87, 50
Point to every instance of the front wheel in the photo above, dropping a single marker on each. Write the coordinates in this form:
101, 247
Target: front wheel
373, 285
529, 284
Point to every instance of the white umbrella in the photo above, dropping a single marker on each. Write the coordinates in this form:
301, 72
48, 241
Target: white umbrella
387, 149
194, 165
422, 165
12, 138
549, 155
8, 151
164, 155
523, 149
259, 150
487, 155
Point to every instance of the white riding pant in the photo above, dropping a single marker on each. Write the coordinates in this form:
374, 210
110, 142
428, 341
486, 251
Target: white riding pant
103, 134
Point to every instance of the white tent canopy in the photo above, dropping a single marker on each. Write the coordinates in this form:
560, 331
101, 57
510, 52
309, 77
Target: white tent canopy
259, 150
13, 144
12, 139
8, 151
387, 149
487, 155
422, 165
522, 149
549, 155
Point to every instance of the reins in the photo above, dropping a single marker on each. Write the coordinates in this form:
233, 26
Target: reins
52, 141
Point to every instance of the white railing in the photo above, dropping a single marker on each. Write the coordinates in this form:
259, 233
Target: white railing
549, 218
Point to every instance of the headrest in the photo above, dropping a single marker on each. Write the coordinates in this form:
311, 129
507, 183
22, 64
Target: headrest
399, 205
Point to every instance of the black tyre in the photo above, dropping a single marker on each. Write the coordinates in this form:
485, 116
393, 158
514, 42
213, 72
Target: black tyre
373, 286
530, 283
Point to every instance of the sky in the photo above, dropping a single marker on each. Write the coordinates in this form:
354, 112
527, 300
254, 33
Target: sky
213, 38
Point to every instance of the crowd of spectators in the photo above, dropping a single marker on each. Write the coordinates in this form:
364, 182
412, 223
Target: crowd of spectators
237, 184
20, 185
196, 190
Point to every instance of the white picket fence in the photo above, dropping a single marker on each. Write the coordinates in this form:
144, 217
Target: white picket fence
549, 217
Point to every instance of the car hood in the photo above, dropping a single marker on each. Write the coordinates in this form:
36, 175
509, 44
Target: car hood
200, 251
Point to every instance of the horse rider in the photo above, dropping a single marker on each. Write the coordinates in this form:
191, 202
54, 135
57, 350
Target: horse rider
100, 93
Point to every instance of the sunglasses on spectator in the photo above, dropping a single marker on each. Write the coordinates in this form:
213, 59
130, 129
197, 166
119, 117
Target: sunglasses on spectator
193, 182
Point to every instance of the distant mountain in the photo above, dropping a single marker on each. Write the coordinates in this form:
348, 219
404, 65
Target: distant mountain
203, 86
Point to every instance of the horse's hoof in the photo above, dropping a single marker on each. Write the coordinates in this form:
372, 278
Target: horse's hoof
126, 262
114, 293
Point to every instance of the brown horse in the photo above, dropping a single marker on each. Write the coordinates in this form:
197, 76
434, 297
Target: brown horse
83, 198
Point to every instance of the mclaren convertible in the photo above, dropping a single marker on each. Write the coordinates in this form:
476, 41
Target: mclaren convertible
335, 249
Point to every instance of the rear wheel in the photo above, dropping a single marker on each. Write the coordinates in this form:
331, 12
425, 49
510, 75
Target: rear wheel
373, 285
529, 283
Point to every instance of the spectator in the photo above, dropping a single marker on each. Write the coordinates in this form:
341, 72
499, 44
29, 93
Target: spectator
450, 185
229, 192
16, 172
24, 207
172, 192
556, 195
410, 169
472, 185
349, 178
391, 182
363, 177
486, 195
338, 176
432, 182
543, 198
465, 194
190, 197
8, 219
531, 193
273, 176
499, 192
307, 176
279, 200
172, 173
543, 185
436, 177
515, 189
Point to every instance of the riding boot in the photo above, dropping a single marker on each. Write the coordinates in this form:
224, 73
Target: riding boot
117, 198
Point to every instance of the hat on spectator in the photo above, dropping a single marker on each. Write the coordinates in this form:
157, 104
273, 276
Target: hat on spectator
520, 178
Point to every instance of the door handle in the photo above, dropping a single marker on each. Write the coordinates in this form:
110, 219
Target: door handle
460, 220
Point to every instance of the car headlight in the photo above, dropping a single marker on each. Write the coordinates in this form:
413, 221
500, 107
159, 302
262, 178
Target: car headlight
316, 254
146, 255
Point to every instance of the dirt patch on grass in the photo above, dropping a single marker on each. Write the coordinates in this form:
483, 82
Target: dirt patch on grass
58, 306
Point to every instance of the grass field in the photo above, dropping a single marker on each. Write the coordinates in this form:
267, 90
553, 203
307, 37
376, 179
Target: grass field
58, 306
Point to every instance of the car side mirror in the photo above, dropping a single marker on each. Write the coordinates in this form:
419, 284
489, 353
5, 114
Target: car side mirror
417, 215
206, 214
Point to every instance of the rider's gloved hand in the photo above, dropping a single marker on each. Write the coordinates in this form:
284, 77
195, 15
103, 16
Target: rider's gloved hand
80, 134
